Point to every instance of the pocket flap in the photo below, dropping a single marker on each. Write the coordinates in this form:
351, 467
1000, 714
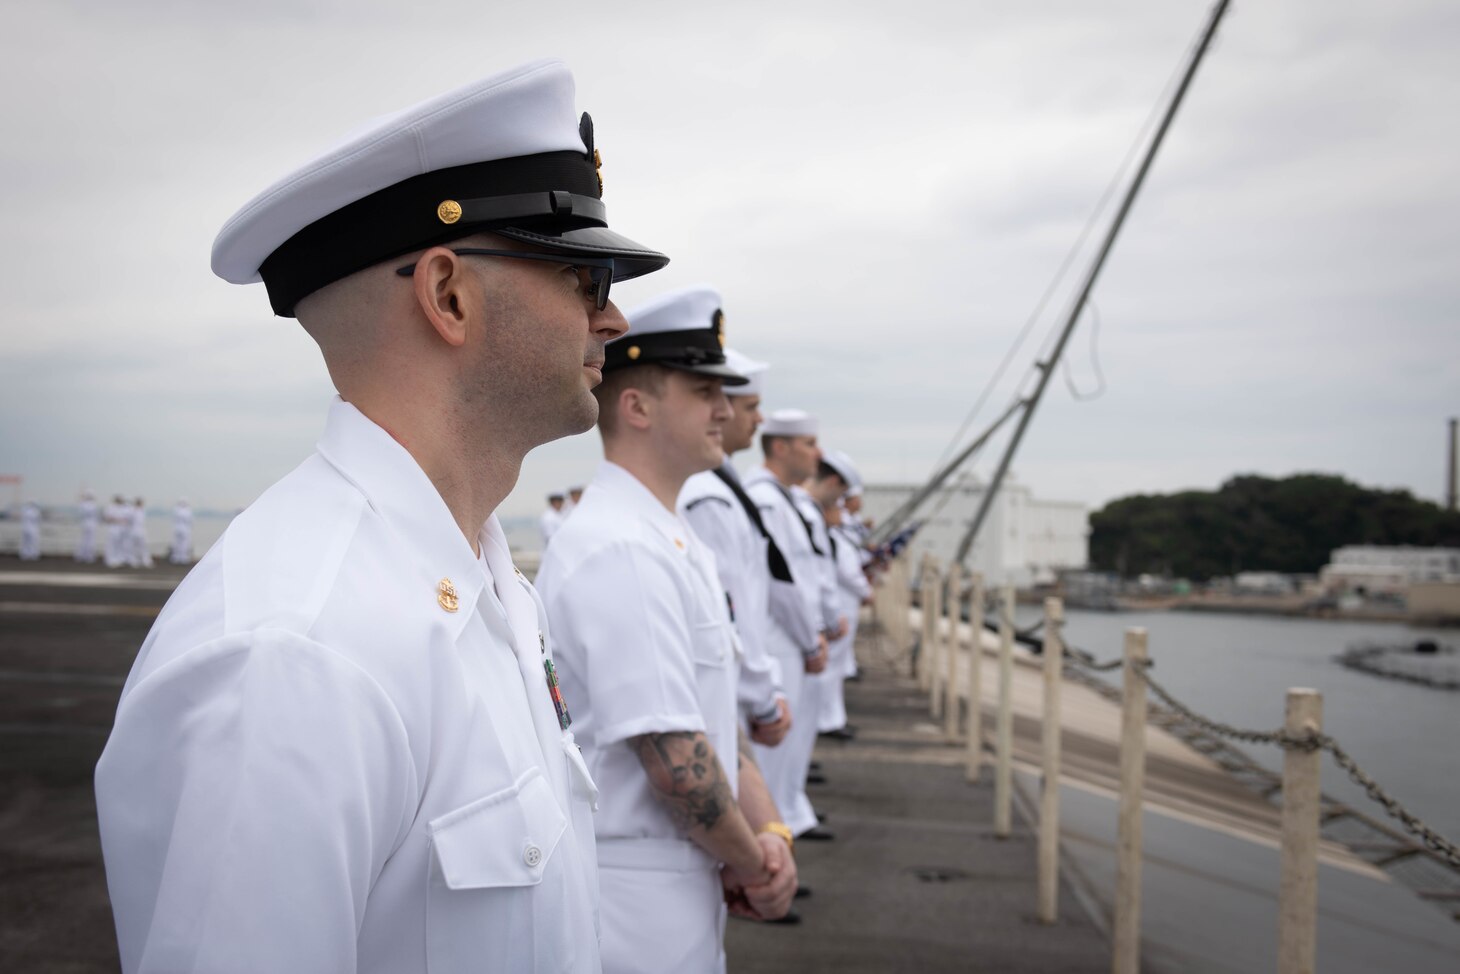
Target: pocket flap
710, 644
504, 839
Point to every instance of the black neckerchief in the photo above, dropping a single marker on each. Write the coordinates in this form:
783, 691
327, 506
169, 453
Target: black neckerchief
780, 571
810, 535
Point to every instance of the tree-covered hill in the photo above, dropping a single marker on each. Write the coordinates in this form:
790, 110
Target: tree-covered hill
1259, 524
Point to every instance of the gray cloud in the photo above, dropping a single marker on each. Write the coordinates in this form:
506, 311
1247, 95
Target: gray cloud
881, 194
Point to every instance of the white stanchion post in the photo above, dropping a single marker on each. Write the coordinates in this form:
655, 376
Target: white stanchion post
1049, 799
954, 602
934, 645
975, 680
1004, 727
1126, 935
1298, 889
925, 640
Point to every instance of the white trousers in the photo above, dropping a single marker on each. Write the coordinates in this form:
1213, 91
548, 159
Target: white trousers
30, 542
86, 546
841, 663
661, 908
784, 766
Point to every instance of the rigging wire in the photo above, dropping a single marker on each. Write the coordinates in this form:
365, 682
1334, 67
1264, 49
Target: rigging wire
1075, 393
1104, 201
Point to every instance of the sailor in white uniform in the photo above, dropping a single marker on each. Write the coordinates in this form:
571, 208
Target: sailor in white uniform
797, 634
859, 530
88, 515
342, 747
646, 647
30, 531
137, 552
575, 494
118, 518
720, 511
836, 476
181, 552
551, 519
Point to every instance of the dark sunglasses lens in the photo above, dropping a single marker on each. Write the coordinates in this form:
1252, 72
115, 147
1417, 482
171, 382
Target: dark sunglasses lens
601, 277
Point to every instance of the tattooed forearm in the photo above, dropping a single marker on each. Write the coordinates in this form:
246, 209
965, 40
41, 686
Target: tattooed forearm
686, 777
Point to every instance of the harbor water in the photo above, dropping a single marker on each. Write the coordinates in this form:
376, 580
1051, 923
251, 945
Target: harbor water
1236, 669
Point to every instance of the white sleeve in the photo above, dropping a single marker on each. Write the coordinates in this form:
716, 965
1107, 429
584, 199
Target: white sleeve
789, 605
249, 795
714, 521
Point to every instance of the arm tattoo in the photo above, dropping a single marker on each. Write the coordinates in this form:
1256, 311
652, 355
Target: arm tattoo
686, 777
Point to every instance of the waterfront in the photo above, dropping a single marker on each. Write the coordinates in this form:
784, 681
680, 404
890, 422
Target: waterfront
1236, 669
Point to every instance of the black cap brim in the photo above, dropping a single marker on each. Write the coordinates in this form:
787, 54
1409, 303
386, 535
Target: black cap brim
630, 259
723, 372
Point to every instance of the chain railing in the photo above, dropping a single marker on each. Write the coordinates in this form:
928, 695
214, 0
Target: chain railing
1413, 824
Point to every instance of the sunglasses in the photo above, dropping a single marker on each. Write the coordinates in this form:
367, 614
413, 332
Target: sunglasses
599, 269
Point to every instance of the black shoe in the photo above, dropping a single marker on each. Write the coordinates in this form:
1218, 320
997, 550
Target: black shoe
802, 892
816, 834
790, 919
816, 778
840, 734
855, 678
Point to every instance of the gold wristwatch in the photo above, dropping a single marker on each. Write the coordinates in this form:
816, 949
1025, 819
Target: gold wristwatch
783, 830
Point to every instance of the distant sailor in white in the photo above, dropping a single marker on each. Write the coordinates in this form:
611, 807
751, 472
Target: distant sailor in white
181, 552
551, 519
87, 516
646, 645
118, 518
835, 476
137, 554
343, 747
30, 531
720, 511
797, 635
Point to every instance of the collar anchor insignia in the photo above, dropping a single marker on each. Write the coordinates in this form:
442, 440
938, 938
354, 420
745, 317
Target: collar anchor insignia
446, 595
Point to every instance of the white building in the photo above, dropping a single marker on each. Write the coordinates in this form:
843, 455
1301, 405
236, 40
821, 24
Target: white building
1023, 541
1377, 568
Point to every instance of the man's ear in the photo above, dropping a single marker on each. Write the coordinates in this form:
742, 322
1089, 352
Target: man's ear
635, 408
447, 293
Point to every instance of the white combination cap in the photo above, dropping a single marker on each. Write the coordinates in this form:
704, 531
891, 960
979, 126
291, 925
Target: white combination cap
506, 154
789, 422
683, 330
753, 371
841, 465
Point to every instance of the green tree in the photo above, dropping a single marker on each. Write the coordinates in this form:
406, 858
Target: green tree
1254, 523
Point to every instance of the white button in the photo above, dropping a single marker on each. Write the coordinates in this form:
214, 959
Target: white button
532, 855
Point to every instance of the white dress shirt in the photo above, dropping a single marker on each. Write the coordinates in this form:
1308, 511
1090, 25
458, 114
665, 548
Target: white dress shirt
643, 642
337, 750
645, 645
720, 521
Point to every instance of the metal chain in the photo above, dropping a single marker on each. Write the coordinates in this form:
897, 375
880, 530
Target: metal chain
1313, 742
1433, 840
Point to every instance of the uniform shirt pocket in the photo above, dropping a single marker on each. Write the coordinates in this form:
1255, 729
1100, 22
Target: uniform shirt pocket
488, 900
711, 645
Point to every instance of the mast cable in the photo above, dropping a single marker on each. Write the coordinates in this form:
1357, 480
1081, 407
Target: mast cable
1115, 182
1075, 393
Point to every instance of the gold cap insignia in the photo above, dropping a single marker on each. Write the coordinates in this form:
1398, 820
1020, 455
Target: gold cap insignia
633, 353
446, 595
449, 211
598, 165
718, 322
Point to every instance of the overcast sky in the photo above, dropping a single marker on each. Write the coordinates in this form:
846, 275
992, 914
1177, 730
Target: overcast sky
881, 191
